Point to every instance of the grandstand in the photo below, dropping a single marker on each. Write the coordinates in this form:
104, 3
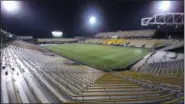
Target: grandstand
122, 67
31, 75
128, 34
144, 43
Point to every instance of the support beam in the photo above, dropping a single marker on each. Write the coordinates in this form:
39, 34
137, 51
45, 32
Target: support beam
177, 19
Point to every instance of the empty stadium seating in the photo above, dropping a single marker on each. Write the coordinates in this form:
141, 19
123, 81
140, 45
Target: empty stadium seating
113, 89
173, 68
62, 77
31, 76
179, 81
145, 43
128, 34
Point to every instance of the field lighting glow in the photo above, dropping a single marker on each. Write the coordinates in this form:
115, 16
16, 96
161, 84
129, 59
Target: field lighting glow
92, 20
57, 33
10, 36
10, 6
164, 5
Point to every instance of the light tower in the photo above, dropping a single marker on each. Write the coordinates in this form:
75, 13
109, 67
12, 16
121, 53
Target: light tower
164, 17
92, 21
164, 7
57, 34
9, 7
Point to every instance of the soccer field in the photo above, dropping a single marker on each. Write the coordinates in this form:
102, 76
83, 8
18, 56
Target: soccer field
99, 56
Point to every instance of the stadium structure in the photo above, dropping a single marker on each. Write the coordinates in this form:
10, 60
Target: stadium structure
123, 67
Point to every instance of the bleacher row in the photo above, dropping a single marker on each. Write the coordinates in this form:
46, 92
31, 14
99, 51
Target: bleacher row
29, 76
50, 76
111, 89
172, 68
168, 80
146, 43
128, 34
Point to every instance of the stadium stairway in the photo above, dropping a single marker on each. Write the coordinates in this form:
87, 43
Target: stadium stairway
112, 89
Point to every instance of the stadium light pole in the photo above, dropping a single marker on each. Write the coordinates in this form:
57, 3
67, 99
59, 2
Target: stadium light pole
164, 7
9, 7
57, 33
92, 21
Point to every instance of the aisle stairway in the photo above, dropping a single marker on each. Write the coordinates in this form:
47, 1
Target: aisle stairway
111, 89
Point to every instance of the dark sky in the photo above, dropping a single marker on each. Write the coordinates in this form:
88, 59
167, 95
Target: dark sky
39, 17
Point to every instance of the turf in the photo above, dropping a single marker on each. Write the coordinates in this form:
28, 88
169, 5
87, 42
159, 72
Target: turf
99, 56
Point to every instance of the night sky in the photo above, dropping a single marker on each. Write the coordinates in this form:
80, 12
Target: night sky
39, 17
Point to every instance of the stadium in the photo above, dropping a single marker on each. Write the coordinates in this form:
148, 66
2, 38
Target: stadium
144, 66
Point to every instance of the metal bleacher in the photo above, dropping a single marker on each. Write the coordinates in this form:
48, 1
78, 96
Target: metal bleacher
30, 76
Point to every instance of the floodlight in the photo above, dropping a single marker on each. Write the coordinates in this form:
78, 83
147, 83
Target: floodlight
57, 33
92, 20
10, 6
164, 5
10, 35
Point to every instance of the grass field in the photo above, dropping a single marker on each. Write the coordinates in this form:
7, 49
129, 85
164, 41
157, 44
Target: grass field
99, 56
